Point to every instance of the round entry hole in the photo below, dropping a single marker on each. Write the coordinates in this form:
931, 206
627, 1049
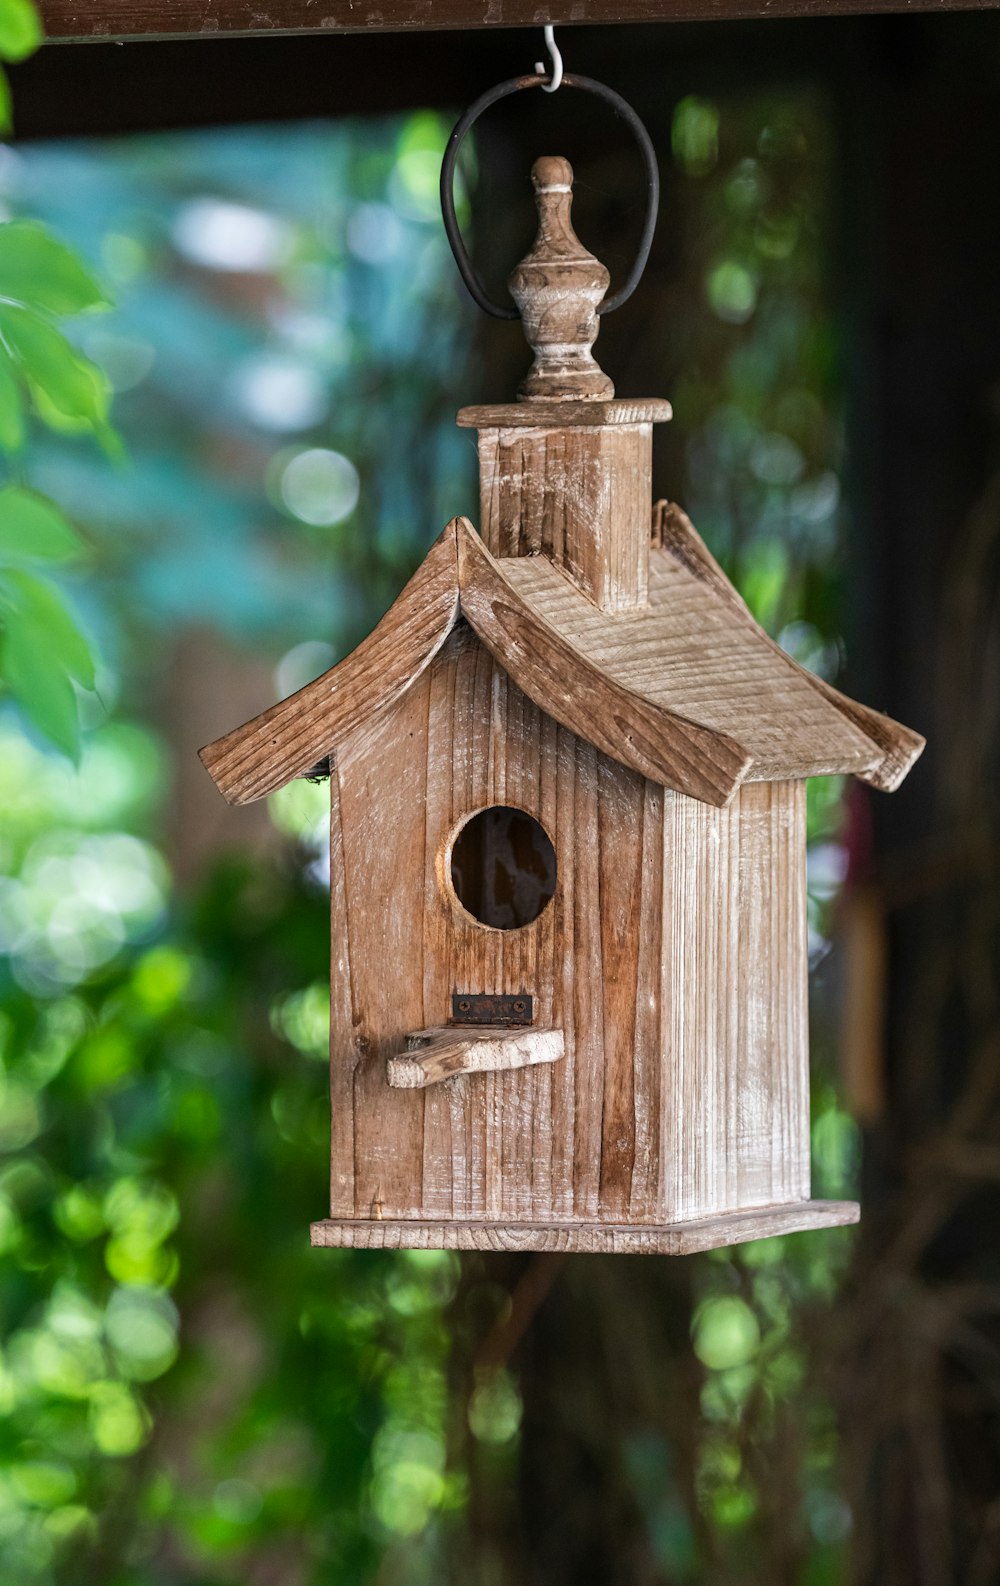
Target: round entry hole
503, 867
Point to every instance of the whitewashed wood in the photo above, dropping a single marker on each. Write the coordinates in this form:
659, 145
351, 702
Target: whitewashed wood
704, 662
577, 491
564, 415
688, 690
735, 1100
554, 669
610, 682
347, 1050
672, 957
433, 1056
580, 494
377, 849
898, 747
678, 1239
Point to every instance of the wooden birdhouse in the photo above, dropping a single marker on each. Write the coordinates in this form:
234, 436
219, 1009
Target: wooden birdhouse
568, 847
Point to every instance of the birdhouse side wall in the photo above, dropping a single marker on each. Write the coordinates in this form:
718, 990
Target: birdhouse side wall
735, 1002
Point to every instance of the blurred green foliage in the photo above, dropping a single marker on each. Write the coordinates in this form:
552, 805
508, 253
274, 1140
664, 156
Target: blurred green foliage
43, 653
164, 1150
189, 1394
20, 36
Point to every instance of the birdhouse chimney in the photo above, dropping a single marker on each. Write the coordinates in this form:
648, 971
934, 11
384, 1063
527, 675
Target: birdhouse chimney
567, 469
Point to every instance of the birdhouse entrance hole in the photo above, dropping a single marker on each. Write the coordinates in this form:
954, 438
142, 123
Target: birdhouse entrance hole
503, 867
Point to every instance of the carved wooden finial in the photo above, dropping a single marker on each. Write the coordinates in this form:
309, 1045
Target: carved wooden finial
557, 288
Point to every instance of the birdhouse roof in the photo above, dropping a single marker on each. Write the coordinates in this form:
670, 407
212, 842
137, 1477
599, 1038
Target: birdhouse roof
688, 690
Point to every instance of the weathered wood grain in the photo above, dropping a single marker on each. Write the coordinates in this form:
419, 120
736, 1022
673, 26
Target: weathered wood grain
698, 657
488, 1150
686, 689
898, 747
562, 415
580, 495
379, 857
680, 754
680, 1239
288, 739
347, 1048
735, 1099
104, 20
557, 287
671, 957
432, 1056
406, 782
607, 681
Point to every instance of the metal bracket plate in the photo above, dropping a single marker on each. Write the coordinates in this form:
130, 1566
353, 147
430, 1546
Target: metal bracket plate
476, 1007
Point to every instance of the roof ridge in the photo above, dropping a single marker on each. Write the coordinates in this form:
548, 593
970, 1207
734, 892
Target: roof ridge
648, 737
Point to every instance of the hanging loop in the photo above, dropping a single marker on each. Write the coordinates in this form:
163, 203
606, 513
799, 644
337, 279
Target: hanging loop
469, 117
555, 57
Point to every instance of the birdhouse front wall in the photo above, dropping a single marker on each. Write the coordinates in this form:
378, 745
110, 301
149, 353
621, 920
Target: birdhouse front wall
672, 957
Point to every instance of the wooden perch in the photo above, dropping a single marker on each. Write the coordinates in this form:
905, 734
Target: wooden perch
442, 1053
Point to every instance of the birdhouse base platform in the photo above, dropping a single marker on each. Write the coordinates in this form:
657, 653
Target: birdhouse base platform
668, 1239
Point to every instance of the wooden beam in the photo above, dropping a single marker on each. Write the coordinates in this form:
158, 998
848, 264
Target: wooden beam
434, 1055
75, 21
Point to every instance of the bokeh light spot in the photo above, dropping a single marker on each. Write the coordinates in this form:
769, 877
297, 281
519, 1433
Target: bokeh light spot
225, 236
320, 487
726, 1332
695, 136
732, 291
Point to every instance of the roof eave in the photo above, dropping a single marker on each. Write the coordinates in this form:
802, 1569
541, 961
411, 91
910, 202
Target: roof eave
459, 576
289, 739
895, 748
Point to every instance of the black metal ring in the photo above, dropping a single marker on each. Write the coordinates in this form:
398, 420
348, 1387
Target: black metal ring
512, 86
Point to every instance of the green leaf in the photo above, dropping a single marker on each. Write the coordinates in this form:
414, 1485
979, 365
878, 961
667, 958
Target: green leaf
56, 420
67, 382
11, 408
41, 280
21, 29
38, 271
39, 683
33, 599
32, 529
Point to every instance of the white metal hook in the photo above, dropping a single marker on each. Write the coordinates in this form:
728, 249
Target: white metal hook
556, 59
